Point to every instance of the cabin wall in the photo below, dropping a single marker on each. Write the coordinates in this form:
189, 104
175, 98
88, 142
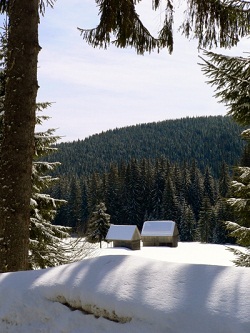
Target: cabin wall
171, 241
133, 245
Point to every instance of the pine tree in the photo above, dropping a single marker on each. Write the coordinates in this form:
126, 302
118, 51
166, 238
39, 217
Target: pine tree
245, 159
209, 187
147, 180
84, 205
170, 202
112, 194
98, 224
46, 248
224, 181
187, 224
134, 187
231, 77
74, 203
95, 193
221, 214
195, 194
61, 190
158, 188
150, 209
204, 227
45, 242
240, 202
185, 183
177, 178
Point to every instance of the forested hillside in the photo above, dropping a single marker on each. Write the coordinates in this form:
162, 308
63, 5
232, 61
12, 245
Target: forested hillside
176, 169
208, 140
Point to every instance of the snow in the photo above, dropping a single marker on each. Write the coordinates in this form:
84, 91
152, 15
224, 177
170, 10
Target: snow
122, 232
158, 228
193, 288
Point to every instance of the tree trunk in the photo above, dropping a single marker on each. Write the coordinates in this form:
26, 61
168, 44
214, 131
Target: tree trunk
17, 149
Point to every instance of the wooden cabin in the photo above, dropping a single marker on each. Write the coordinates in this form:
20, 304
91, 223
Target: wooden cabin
124, 236
160, 233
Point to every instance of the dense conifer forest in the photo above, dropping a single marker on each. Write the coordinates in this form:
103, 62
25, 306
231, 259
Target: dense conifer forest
208, 140
175, 169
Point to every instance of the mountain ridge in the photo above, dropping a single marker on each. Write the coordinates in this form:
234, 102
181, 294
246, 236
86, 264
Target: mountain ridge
210, 140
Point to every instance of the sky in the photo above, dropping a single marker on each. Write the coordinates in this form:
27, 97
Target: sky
193, 288
94, 90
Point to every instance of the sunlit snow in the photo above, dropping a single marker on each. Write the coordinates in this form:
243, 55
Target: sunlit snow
193, 288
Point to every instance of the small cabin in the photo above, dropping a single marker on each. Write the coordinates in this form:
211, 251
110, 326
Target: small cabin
124, 236
160, 233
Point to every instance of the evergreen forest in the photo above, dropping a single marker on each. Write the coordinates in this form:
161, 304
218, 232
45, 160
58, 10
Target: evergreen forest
177, 169
208, 140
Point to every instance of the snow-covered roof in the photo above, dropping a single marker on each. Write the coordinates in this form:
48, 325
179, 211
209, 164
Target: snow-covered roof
158, 228
122, 232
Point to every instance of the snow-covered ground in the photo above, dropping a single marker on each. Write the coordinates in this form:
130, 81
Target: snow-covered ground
190, 289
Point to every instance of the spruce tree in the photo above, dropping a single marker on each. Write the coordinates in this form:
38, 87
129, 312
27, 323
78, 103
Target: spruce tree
98, 224
185, 183
209, 189
204, 226
221, 214
45, 240
231, 78
112, 194
84, 205
147, 178
61, 190
95, 193
158, 188
46, 248
134, 188
75, 203
245, 159
170, 202
187, 224
240, 202
224, 181
195, 194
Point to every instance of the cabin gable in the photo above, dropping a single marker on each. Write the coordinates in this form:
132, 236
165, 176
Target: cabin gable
160, 233
124, 236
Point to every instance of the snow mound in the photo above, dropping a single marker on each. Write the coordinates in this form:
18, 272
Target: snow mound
141, 294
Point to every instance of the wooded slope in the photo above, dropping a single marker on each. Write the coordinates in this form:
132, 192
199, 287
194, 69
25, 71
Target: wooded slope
208, 140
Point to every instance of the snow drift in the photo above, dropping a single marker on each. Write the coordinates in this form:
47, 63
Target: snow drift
137, 294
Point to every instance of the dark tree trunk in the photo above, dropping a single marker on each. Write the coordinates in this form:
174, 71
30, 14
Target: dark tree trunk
18, 134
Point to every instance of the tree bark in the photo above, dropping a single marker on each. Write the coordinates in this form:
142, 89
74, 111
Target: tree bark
17, 149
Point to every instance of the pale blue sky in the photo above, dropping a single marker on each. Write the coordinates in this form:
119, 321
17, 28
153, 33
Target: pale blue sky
95, 90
